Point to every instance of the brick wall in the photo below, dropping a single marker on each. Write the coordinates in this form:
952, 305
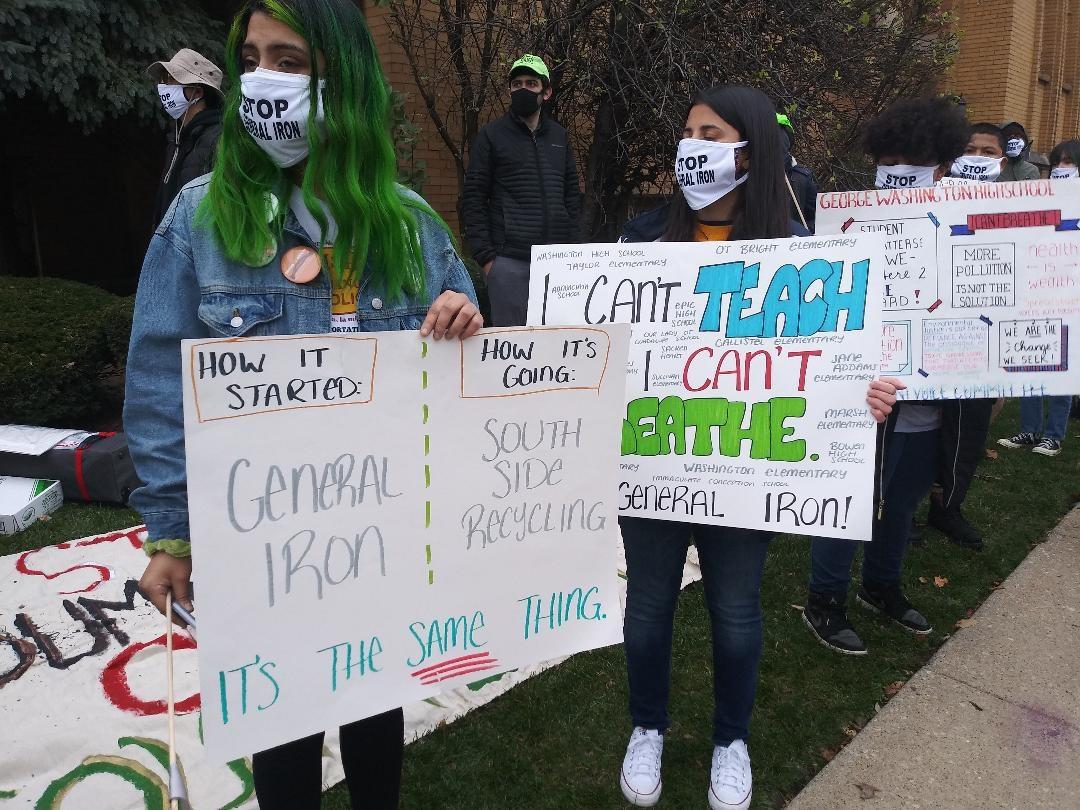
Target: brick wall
1020, 60
441, 187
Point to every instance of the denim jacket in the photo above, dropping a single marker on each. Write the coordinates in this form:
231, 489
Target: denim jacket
188, 289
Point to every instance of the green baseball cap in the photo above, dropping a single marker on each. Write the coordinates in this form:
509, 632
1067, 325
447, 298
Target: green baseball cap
532, 64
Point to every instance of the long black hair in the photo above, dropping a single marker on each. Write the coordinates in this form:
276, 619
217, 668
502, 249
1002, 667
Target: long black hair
1065, 149
765, 209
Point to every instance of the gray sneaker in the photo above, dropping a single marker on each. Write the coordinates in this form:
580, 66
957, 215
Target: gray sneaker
892, 603
826, 616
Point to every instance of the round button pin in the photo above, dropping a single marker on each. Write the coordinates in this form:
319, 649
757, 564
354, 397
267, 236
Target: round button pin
236, 322
376, 303
300, 265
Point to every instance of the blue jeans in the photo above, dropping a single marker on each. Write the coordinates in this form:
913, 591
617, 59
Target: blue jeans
1057, 416
908, 474
731, 564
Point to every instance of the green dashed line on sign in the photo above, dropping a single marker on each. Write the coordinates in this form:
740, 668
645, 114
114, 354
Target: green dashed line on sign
426, 415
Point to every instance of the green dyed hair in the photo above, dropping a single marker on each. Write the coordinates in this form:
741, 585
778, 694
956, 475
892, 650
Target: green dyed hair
351, 158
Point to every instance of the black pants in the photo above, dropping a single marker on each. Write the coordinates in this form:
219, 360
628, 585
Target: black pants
289, 777
965, 424
508, 292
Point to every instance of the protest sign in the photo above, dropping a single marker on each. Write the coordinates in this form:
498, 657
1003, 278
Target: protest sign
981, 284
83, 689
746, 387
376, 517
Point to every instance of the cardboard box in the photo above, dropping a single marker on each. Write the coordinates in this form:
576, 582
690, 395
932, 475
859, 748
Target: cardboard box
24, 500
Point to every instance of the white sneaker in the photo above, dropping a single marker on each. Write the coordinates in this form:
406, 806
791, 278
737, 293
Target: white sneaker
640, 777
730, 782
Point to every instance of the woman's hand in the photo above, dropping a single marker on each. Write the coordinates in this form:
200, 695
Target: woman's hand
166, 573
881, 396
452, 315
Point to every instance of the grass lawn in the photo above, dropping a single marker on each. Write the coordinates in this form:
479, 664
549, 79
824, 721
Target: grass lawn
557, 740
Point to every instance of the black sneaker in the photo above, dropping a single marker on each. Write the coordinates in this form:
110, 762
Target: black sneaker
915, 535
953, 524
827, 619
1047, 447
894, 605
1019, 441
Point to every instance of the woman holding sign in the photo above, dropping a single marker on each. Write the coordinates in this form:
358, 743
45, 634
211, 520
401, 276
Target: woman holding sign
300, 229
733, 131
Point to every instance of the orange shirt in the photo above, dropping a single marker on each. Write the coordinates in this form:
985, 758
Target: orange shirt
712, 233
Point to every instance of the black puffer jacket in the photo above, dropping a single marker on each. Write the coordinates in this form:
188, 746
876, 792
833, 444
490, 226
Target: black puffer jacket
521, 189
192, 157
806, 191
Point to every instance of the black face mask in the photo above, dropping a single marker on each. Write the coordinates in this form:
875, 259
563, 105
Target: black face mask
524, 102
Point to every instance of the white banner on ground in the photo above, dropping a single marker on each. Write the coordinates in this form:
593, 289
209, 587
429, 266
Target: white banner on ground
377, 518
746, 387
82, 688
982, 284
33, 441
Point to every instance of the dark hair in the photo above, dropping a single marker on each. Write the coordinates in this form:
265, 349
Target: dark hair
1014, 126
985, 128
1065, 149
765, 209
545, 82
211, 97
927, 130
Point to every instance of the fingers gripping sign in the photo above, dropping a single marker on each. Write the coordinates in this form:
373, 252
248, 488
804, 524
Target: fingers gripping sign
452, 315
166, 574
881, 397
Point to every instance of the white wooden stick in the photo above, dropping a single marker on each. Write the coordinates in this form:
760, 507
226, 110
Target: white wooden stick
176, 782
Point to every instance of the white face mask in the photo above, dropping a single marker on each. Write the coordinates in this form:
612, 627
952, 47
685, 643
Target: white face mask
1014, 147
1061, 172
976, 167
274, 107
173, 99
707, 170
890, 177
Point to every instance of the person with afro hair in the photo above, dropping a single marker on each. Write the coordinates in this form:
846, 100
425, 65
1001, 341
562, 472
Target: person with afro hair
913, 143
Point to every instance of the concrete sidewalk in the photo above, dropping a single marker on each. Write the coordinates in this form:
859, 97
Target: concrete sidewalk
993, 720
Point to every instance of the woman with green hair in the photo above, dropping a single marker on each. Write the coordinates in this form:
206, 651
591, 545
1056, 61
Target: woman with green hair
300, 229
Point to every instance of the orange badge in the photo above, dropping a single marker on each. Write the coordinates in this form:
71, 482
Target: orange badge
300, 265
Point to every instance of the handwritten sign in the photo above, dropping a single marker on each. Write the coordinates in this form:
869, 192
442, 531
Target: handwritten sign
747, 377
377, 518
981, 284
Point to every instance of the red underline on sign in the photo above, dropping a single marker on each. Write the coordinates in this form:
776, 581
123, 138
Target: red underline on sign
430, 679
451, 662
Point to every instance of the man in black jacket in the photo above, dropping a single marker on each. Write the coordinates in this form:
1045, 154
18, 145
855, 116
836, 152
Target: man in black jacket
521, 189
189, 86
